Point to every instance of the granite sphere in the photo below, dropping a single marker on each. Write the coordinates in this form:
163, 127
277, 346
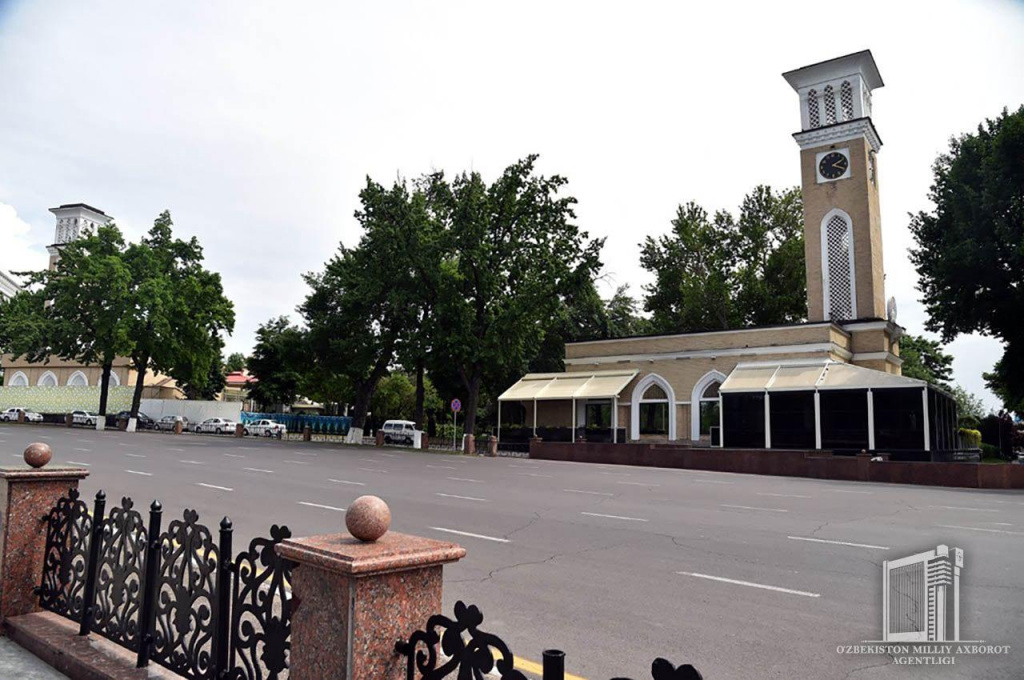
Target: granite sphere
368, 518
39, 454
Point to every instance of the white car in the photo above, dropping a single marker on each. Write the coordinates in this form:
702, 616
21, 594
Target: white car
84, 418
217, 426
11, 415
168, 422
266, 428
399, 432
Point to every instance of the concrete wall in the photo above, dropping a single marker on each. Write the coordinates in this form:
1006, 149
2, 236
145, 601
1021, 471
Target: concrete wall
64, 399
787, 464
195, 411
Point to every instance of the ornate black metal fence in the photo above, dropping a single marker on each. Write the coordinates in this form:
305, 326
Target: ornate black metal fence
174, 597
457, 648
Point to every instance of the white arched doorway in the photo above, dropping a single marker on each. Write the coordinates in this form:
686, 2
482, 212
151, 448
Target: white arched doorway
19, 379
114, 380
704, 392
78, 379
47, 379
653, 402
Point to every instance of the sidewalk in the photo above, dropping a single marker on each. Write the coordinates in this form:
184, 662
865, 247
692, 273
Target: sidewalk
16, 662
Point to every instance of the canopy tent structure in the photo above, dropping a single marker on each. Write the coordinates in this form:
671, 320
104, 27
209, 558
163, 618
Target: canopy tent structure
827, 404
569, 387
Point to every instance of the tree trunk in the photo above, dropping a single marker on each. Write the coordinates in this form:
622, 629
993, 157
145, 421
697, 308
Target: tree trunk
105, 387
140, 383
420, 394
362, 404
472, 397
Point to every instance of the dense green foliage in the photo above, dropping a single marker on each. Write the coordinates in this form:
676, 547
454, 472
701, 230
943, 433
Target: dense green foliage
925, 360
277, 364
970, 247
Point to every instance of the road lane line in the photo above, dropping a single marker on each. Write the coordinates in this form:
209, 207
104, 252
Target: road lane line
866, 493
852, 545
269, 472
345, 481
230, 455
471, 535
957, 507
628, 519
638, 483
214, 486
135, 455
464, 479
304, 453
181, 450
750, 507
383, 472
136, 472
749, 584
75, 462
297, 462
535, 668
589, 493
318, 505
443, 467
389, 455
535, 474
783, 495
464, 498
990, 531
18, 455
86, 450
711, 481
192, 462
615, 474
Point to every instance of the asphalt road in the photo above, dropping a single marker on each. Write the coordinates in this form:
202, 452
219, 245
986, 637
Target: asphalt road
742, 576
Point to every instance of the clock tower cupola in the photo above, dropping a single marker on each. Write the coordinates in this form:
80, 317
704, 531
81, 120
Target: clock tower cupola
839, 171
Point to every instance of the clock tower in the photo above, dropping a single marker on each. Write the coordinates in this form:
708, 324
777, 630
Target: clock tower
839, 171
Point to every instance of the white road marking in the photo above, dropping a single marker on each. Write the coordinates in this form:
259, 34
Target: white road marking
852, 545
535, 474
297, 462
749, 507
1010, 502
383, 472
135, 455
471, 535
231, 455
1001, 524
589, 493
136, 472
345, 481
749, 584
269, 472
463, 479
991, 531
463, 498
123, 444
616, 474
443, 467
304, 453
86, 450
638, 483
173, 449
957, 507
318, 505
782, 495
628, 519
18, 455
866, 493
389, 455
75, 462
711, 481
192, 462
214, 486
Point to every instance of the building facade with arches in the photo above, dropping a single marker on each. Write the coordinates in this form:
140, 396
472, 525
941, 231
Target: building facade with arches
674, 393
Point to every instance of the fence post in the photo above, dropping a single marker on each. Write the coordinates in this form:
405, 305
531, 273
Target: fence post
92, 568
553, 664
150, 585
220, 640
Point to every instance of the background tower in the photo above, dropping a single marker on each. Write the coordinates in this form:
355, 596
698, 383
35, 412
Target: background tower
839, 171
72, 221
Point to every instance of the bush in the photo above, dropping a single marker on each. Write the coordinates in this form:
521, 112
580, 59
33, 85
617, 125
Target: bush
970, 439
989, 451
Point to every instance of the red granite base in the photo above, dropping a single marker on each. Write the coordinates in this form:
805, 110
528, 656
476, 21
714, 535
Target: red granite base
55, 640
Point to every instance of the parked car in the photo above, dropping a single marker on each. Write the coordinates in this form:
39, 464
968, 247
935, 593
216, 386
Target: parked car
84, 418
143, 422
399, 432
11, 415
167, 423
266, 428
216, 425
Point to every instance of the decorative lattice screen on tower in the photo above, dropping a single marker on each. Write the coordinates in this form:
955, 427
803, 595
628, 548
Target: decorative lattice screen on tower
812, 109
830, 105
846, 97
840, 277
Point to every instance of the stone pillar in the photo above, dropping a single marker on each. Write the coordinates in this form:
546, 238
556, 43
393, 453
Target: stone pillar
307, 433
21, 417
69, 420
492, 447
353, 600
469, 444
239, 430
27, 494
425, 441
379, 438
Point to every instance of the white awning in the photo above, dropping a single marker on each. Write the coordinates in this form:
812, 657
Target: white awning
574, 385
810, 375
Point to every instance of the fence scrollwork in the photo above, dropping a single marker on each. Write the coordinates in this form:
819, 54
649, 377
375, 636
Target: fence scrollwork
68, 537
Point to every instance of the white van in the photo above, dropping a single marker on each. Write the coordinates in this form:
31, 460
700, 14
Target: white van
399, 432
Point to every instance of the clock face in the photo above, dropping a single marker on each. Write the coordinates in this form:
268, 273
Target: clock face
833, 165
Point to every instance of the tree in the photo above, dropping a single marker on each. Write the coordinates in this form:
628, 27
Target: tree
276, 364
924, 359
395, 398
998, 380
511, 248
213, 385
235, 363
623, 314
970, 408
717, 273
179, 310
969, 258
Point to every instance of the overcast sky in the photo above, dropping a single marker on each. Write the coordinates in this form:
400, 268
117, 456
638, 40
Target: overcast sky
256, 123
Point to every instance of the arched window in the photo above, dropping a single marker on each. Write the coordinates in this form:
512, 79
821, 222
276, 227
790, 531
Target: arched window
704, 404
652, 408
78, 379
19, 379
830, 105
838, 281
814, 119
114, 380
47, 379
846, 99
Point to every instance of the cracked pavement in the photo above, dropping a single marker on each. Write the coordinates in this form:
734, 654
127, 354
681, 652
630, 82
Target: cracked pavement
597, 573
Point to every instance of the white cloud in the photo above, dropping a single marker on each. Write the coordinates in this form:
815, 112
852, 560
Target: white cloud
18, 252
